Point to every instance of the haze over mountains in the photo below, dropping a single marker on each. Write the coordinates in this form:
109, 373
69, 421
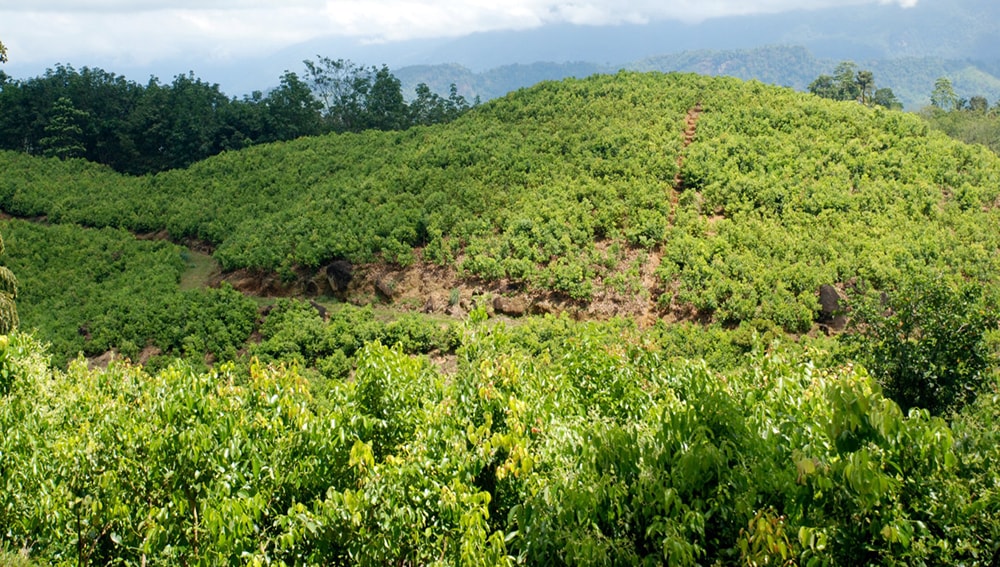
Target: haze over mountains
957, 38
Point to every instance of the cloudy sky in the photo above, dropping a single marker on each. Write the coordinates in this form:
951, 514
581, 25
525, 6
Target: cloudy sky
140, 32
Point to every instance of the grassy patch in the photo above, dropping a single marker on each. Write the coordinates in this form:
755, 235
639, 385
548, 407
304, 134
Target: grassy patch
199, 269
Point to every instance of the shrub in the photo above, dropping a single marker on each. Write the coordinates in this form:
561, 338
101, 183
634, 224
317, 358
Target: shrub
925, 340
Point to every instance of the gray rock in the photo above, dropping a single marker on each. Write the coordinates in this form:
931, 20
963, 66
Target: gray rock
832, 304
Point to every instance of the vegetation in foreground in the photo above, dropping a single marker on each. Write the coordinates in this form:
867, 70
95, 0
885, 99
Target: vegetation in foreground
548, 443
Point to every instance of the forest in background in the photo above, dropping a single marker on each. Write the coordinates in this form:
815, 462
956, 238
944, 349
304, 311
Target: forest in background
138, 129
143, 128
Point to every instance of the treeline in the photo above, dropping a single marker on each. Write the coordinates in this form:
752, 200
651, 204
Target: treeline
971, 120
849, 82
137, 129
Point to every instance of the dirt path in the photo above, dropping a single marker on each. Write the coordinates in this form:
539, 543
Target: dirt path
690, 128
652, 311
432, 289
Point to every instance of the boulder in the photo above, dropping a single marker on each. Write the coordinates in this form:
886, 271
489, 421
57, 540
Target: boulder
386, 288
339, 274
832, 307
510, 306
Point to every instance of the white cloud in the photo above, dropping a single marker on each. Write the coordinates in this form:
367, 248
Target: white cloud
138, 31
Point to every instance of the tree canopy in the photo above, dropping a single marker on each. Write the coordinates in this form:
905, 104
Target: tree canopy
848, 82
102, 117
944, 96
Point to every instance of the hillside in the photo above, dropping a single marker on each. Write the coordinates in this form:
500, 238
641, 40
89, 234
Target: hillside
711, 422
588, 194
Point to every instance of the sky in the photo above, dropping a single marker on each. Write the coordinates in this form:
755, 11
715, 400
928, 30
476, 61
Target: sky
141, 32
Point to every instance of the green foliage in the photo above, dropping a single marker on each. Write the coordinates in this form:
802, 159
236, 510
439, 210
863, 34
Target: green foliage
64, 133
338, 441
8, 294
944, 96
550, 443
90, 291
138, 129
849, 83
926, 340
968, 125
295, 331
782, 193
798, 198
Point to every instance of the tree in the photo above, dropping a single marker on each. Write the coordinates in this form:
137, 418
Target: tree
886, 98
925, 341
978, 104
3, 53
8, 293
291, 110
846, 77
431, 108
849, 83
64, 131
385, 108
342, 87
944, 96
428, 108
865, 81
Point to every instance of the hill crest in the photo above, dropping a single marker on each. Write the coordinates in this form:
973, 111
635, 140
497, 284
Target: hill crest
581, 192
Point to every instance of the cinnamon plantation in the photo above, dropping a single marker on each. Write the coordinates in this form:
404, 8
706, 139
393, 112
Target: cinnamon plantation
631, 319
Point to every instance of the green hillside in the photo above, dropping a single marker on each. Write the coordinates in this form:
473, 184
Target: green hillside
573, 188
697, 414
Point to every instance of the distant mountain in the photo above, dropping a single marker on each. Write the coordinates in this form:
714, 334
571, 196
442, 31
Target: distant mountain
948, 29
495, 82
910, 78
938, 33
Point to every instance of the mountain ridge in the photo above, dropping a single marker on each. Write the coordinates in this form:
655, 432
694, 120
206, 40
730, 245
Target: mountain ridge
911, 78
945, 29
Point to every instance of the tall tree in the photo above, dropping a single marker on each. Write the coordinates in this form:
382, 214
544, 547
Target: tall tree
64, 131
428, 107
979, 104
885, 97
846, 78
825, 86
943, 96
291, 110
865, 81
342, 87
3, 53
385, 108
